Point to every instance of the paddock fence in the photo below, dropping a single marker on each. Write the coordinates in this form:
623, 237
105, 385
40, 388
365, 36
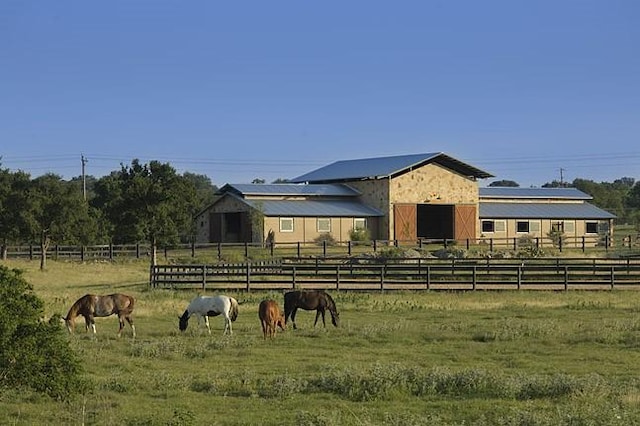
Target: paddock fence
587, 245
404, 274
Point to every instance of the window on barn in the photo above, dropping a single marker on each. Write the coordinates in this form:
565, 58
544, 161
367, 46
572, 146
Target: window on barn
569, 226
557, 227
522, 226
323, 224
286, 224
359, 223
591, 227
534, 226
488, 226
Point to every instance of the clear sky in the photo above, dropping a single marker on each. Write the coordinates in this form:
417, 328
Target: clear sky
529, 91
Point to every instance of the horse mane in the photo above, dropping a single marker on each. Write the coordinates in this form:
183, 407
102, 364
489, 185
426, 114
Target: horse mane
331, 305
74, 311
233, 311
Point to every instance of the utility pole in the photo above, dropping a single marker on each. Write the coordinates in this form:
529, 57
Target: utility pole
561, 177
84, 177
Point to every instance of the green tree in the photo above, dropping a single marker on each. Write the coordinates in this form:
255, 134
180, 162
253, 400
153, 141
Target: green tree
13, 202
147, 203
56, 213
505, 183
33, 353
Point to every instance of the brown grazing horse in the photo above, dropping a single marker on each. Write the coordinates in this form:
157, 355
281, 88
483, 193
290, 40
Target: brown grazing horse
310, 300
271, 317
91, 306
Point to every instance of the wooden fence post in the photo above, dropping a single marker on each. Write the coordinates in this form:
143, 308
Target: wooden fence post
248, 276
473, 277
337, 277
566, 278
204, 276
613, 276
428, 277
293, 278
219, 250
382, 278
193, 249
519, 277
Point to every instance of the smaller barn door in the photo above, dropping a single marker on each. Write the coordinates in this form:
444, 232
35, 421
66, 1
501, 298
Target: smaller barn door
215, 228
405, 222
465, 222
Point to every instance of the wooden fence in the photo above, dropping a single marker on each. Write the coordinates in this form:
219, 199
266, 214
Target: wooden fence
300, 249
405, 274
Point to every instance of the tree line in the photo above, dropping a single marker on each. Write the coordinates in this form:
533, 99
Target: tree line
149, 203
152, 203
620, 197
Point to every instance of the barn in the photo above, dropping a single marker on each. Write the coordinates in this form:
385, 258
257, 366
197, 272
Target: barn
402, 198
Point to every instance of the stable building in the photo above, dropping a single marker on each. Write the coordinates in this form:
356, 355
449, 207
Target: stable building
396, 198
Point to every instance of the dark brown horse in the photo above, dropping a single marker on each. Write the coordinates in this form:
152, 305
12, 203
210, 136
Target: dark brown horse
310, 300
91, 306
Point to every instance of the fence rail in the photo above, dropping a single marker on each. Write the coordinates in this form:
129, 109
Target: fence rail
299, 249
405, 274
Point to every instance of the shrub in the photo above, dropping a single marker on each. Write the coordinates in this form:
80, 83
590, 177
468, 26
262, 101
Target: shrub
359, 234
33, 353
325, 238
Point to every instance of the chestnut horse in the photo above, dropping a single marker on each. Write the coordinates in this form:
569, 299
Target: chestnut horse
310, 300
210, 306
91, 306
271, 317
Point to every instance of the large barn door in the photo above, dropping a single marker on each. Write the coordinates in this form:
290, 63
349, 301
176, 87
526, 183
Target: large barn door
465, 222
405, 222
215, 228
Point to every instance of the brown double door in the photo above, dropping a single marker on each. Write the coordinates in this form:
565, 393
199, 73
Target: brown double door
438, 221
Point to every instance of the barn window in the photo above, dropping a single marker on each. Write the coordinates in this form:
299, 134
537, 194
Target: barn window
488, 226
286, 224
569, 226
359, 223
522, 226
323, 224
591, 227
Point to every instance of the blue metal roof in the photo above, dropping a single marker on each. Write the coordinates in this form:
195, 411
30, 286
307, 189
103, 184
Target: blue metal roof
313, 208
546, 193
384, 167
542, 211
289, 189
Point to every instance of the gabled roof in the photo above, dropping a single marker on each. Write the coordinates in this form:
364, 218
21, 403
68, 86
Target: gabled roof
288, 189
385, 167
313, 208
534, 193
531, 210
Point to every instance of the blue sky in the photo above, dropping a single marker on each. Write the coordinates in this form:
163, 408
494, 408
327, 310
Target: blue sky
527, 90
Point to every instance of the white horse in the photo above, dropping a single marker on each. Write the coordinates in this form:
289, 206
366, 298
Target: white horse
211, 306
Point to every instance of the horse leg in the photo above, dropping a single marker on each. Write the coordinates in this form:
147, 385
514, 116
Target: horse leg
293, 318
133, 327
227, 325
206, 321
265, 330
121, 321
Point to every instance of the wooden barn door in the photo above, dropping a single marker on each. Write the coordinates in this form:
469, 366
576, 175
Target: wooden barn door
215, 228
405, 222
465, 222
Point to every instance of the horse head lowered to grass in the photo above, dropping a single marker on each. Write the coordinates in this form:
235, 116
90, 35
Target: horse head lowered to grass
91, 306
210, 306
310, 300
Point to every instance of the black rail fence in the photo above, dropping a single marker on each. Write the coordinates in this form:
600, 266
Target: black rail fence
301, 249
405, 274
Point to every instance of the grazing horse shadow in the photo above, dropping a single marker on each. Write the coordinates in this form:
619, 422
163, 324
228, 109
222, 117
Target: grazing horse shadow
91, 306
310, 300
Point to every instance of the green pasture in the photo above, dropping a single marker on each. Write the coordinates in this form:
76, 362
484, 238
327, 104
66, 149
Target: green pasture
409, 358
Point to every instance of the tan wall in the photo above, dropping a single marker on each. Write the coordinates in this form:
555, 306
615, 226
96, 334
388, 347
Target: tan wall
305, 229
375, 193
510, 232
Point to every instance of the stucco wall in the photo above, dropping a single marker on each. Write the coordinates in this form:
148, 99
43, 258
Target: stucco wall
574, 238
305, 229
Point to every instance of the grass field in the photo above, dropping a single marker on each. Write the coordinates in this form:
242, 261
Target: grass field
410, 358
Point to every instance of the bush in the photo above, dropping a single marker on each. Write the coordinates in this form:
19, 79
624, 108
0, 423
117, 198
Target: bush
360, 234
33, 353
325, 238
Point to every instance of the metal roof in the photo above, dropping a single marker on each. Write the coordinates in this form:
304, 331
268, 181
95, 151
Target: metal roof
313, 208
289, 189
542, 211
547, 193
385, 167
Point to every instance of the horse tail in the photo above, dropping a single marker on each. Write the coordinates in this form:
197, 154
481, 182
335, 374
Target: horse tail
233, 310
